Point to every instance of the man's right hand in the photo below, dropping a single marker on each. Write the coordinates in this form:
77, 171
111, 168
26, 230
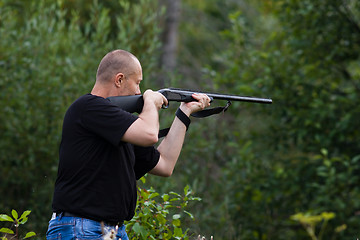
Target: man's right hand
144, 131
157, 98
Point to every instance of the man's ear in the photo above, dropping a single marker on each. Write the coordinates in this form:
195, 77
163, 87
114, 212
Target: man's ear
119, 78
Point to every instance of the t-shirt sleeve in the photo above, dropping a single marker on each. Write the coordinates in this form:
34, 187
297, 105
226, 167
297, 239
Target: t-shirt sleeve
146, 159
106, 120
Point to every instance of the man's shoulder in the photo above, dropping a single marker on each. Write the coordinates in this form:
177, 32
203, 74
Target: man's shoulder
90, 99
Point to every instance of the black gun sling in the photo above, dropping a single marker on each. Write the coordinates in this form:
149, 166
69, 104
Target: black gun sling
200, 114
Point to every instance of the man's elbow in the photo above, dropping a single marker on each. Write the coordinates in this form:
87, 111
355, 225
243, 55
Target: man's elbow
151, 139
141, 135
146, 139
162, 171
167, 173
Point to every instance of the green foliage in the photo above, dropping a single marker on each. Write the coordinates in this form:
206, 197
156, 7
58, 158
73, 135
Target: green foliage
309, 222
255, 166
48, 57
16, 222
309, 64
314, 108
315, 91
160, 217
260, 164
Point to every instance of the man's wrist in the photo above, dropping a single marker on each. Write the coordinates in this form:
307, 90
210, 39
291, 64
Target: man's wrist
185, 109
183, 118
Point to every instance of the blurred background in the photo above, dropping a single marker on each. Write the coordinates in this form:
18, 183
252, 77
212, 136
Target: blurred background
262, 171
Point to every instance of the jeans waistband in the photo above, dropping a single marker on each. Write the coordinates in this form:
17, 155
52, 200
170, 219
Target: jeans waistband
67, 214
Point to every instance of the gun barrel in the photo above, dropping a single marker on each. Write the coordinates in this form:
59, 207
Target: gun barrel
239, 98
228, 97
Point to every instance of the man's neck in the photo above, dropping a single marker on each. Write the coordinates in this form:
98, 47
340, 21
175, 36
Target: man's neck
101, 91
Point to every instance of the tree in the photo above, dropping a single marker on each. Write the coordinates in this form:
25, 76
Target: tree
49, 56
169, 49
294, 54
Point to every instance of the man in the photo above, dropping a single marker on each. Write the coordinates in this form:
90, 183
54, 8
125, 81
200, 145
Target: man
104, 150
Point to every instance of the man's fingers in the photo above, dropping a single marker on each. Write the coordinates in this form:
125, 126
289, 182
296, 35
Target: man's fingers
202, 102
156, 97
203, 99
165, 101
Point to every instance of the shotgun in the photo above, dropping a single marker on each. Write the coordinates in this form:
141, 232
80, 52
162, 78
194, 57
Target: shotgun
135, 103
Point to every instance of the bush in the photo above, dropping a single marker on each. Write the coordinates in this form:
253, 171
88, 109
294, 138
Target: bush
16, 222
160, 217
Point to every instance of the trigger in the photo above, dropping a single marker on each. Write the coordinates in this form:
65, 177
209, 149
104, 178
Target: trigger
164, 106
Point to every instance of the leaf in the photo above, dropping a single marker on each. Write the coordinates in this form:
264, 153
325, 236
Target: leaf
176, 194
186, 190
142, 179
6, 230
175, 199
14, 214
196, 199
4, 217
178, 232
340, 228
23, 220
188, 213
152, 195
30, 234
176, 216
25, 214
176, 222
327, 215
165, 197
161, 219
138, 229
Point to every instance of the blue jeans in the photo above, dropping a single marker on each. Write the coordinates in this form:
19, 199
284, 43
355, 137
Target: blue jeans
69, 228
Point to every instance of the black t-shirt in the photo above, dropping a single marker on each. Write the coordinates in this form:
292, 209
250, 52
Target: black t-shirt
97, 171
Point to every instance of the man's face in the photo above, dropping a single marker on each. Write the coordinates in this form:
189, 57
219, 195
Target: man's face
131, 82
132, 85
